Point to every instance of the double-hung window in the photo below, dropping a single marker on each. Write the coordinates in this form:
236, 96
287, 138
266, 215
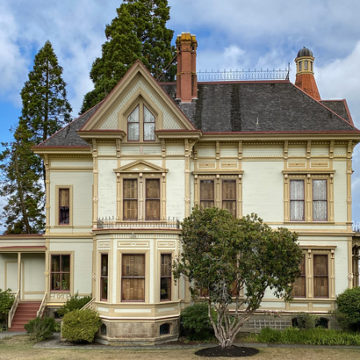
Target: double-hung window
308, 199
104, 274
64, 206
60, 272
165, 277
297, 200
319, 200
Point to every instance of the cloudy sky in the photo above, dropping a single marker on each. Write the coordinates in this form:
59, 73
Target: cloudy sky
232, 34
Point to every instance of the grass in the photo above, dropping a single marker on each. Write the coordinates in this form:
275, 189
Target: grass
21, 348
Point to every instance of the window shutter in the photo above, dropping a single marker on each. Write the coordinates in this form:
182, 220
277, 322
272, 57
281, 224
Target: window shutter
152, 193
130, 199
229, 196
299, 288
133, 278
206, 193
321, 276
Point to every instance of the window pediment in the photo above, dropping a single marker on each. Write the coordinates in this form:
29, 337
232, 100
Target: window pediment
140, 166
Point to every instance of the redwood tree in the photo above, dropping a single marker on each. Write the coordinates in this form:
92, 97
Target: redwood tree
137, 32
233, 261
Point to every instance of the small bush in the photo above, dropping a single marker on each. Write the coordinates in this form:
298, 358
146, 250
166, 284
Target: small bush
305, 321
195, 323
316, 336
6, 301
348, 304
74, 303
80, 325
40, 329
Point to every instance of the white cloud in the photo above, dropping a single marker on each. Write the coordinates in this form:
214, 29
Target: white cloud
12, 64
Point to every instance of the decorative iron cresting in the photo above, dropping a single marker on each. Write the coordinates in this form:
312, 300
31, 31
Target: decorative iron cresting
244, 75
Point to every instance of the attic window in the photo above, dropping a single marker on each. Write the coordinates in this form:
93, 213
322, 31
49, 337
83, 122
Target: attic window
141, 124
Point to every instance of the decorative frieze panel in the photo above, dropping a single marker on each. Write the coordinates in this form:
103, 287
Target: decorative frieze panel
227, 164
61, 297
133, 244
166, 244
315, 164
103, 245
296, 164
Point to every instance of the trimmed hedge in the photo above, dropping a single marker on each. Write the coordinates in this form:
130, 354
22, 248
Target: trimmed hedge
195, 323
41, 329
80, 326
348, 309
316, 336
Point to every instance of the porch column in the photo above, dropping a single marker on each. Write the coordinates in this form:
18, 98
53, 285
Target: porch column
19, 272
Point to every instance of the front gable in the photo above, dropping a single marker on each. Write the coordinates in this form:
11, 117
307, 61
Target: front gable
140, 166
137, 88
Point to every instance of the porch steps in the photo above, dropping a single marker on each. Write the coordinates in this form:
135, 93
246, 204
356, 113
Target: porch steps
25, 312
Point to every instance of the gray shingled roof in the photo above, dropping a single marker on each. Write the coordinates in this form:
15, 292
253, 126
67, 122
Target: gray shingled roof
240, 107
68, 135
258, 106
339, 107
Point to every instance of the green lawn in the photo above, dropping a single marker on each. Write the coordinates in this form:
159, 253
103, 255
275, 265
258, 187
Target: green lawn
20, 348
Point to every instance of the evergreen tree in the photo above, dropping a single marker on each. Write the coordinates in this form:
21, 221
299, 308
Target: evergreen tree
138, 32
44, 111
45, 107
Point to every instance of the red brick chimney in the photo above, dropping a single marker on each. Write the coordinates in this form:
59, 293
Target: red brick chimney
186, 80
305, 73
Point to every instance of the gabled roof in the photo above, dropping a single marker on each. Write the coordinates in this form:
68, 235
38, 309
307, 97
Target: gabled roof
240, 107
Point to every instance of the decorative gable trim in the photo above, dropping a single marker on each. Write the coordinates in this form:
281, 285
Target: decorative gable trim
137, 69
140, 166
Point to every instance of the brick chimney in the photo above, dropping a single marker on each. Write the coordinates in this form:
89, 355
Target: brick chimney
186, 80
305, 73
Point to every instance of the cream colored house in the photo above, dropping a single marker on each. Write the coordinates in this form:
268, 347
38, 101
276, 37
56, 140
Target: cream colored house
121, 176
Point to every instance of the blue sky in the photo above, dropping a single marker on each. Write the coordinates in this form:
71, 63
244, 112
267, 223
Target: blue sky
231, 34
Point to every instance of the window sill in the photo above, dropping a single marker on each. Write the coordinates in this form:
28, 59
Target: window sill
309, 222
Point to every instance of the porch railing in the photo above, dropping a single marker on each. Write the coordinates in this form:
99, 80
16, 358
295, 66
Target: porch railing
88, 305
13, 308
42, 307
112, 223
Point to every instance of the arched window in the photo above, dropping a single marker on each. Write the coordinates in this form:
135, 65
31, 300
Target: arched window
141, 124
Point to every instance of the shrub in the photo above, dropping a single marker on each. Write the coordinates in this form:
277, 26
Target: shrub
348, 314
316, 336
80, 325
74, 303
268, 335
6, 301
195, 323
305, 321
40, 328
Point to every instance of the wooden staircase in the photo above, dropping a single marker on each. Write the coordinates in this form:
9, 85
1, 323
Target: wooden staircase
25, 312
